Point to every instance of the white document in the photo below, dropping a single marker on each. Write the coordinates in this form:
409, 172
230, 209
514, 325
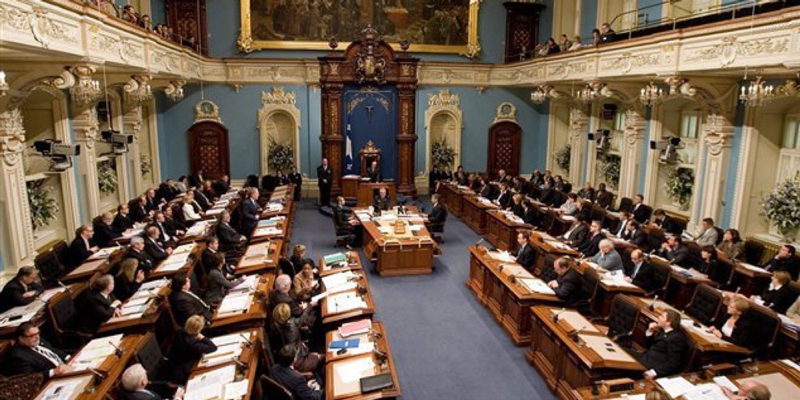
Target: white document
49, 293
334, 281
535, 285
319, 297
355, 370
103, 253
184, 248
723, 381
675, 387
237, 303
503, 256
706, 391
210, 384
236, 390
791, 364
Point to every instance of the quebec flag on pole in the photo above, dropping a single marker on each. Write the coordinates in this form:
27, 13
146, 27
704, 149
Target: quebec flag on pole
348, 159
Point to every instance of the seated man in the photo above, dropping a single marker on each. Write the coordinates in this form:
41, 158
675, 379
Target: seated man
382, 201
438, 214
374, 173
153, 247
591, 246
284, 372
134, 385
172, 225
185, 303
567, 284
577, 233
100, 304
138, 207
587, 193
709, 236
104, 232
640, 210
785, 260
136, 250
82, 247
673, 250
608, 258
525, 255
570, 206
662, 221
642, 273
529, 213
165, 238
504, 199
666, 346
122, 222
342, 213
548, 195
21, 290
304, 312
633, 233
229, 239
32, 354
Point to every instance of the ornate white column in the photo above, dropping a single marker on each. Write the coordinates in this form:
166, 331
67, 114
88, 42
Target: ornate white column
633, 134
578, 123
715, 155
87, 132
591, 145
17, 240
132, 124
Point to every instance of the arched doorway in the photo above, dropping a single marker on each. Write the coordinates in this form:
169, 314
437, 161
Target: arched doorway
505, 142
208, 146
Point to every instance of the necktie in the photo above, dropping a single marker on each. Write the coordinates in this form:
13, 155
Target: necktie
49, 355
199, 299
636, 270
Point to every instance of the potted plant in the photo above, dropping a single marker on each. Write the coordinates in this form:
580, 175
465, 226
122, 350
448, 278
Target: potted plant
280, 156
563, 158
782, 208
107, 177
442, 154
680, 183
609, 169
43, 206
145, 164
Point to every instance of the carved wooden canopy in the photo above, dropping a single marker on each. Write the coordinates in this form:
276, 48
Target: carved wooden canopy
369, 61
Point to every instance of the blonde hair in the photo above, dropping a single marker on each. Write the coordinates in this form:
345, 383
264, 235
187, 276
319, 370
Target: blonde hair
782, 277
128, 268
282, 313
517, 198
299, 249
194, 324
740, 304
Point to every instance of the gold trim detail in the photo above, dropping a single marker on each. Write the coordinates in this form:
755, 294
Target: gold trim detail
247, 44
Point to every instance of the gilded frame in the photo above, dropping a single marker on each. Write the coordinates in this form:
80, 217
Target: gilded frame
246, 44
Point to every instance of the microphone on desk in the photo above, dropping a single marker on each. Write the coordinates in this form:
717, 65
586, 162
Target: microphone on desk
63, 285
98, 376
117, 350
375, 334
249, 343
556, 315
652, 305
239, 363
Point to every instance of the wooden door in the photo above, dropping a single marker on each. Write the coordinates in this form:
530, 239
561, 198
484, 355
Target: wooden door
505, 140
208, 147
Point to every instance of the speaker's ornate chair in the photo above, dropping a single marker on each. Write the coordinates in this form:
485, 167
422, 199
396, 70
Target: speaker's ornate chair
369, 153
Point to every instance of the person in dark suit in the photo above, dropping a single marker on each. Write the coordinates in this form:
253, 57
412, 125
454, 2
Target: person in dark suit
548, 195
208, 191
185, 303
640, 272
22, 289
530, 213
666, 346
587, 193
167, 191
785, 260
188, 348
249, 212
516, 205
382, 201
640, 210
577, 234
663, 221
153, 248
591, 245
104, 232
222, 185
99, 304
82, 247
138, 207
673, 250
504, 198
622, 225
433, 179
779, 296
122, 222
229, 239
602, 197
537, 178
151, 203
172, 226
560, 185
304, 312
525, 255
209, 255
292, 380
32, 354
128, 280
567, 284
374, 173
196, 178
201, 198
297, 180
438, 214
324, 181
284, 330
710, 266
737, 327
633, 233
487, 190
134, 385
217, 284
136, 250
342, 213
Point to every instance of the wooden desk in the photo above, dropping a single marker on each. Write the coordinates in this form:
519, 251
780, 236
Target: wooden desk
39, 307
410, 253
260, 235
706, 349
247, 370
572, 353
255, 315
451, 198
195, 256
375, 340
750, 279
607, 289
91, 267
145, 322
502, 232
682, 284
473, 212
353, 264
249, 352
257, 258
503, 293
334, 317
336, 389
190, 236
367, 192
748, 371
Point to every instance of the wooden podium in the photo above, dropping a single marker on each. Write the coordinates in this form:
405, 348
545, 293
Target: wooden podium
364, 192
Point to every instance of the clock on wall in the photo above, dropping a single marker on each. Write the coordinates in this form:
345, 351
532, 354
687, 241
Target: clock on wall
206, 110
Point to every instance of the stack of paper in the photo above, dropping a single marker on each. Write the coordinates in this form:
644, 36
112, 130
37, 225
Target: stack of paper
49, 293
675, 387
184, 248
174, 262
215, 211
249, 284
17, 315
274, 207
535, 285
355, 328
221, 203
197, 229
103, 253
705, 391
269, 231
355, 370
210, 385
131, 233
235, 302
95, 352
344, 302
340, 282
503, 256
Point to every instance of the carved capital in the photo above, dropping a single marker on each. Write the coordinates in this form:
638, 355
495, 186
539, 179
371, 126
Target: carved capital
278, 97
678, 85
12, 136
87, 127
578, 122
443, 98
137, 89
174, 91
634, 127
716, 132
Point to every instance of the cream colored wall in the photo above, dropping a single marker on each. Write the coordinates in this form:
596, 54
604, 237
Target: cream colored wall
558, 136
566, 18
769, 128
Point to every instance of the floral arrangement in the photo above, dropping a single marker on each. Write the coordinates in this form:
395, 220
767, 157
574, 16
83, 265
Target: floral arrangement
782, 207
43, 206
280, 156
680, 183
107, 177
609, 167
563, 156
442, 154
145, 164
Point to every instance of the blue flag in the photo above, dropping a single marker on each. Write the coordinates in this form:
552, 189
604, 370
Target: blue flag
348, 159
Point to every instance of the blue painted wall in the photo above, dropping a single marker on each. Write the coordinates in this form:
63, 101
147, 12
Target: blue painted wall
158, 11
588, 19
733, 166
645, 152
653, 13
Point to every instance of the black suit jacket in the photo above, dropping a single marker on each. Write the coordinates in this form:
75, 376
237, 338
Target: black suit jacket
591, 246
185, 305
129, 395
677, 256
207, 260
323, 177
220, 187
104, 234
185, 352
342, 215
666, 353
97, 309
790, 265
122, 223
382, 203
13, 294
669, 225
487, 191
277, 297
202, 199
742, 334
145, 263
165, 192
374, 175
78, 252
604, 199
637, 237
645, 278
438, 215
504, 199
529, 216
526, 257
22, 360
155, 251
640, 214
578, 235
216, 286
569, 287
295, 383
137, 211
779, 300
123, 288
548, 196
228, 237
172, 226
248, 210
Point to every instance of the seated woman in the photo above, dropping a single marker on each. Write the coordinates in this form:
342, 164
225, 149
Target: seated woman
128, 279
305, 285
189, 212
737, 327
732, 245
217, 283
778, 296
516, 205
100, 304
285, 330
711, 267
298, 259
188, 348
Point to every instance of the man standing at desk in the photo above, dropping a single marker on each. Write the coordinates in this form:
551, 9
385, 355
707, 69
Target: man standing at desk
324, 183
382, 201
666, 346
374, 173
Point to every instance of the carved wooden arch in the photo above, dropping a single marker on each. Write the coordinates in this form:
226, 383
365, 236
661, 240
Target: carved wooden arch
357, 65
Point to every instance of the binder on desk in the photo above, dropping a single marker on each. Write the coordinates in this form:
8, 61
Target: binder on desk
334, 258
345, 344
376, 382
